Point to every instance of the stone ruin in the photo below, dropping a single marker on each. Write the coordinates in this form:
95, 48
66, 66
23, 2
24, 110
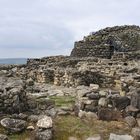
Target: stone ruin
109, 58
103, 68
109, 42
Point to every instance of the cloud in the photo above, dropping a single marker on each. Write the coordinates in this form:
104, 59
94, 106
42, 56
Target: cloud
37, 28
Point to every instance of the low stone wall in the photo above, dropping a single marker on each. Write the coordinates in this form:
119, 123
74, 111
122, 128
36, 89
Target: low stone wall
73, 78
12, 96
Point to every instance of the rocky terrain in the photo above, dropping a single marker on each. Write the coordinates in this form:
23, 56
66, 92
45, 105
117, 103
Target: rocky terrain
93, 94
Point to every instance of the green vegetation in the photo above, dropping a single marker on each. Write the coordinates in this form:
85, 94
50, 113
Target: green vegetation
63, 100
21, 136
71, 126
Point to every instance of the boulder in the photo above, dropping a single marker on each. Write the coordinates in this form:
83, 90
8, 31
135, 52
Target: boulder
13, 125
103, 93
131, 121
93, 107
120, 137
87, 115
136, 131
43, 134
120, 102
45, 122
103, 102
93, 96
94, 87
3, 137
83, 92
109, 114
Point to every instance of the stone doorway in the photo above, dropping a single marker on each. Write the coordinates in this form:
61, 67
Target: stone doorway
111, 51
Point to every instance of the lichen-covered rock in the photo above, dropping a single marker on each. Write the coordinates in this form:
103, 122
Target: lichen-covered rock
13, 125
43, 134
45, 122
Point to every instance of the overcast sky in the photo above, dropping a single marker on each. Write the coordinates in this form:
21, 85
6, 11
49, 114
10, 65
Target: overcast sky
38, 28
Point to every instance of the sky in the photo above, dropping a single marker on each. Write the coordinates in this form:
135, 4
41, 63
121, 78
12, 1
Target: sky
39, 28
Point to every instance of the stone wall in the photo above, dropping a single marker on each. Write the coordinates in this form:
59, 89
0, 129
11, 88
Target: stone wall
84, 49
12, 95
73, 78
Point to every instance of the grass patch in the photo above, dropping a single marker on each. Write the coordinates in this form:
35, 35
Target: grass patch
27, 135
21, 136
63, 100
67, 126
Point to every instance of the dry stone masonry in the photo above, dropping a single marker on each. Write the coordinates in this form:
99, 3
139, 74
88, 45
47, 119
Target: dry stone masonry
102, 74
109, 42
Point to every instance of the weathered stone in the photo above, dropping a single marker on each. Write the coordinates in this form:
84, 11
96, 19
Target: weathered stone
108, 114
120, 137
131, 121
3, 137
55, 92
13, 125
30, 82
138, 121
135, 100
103, 93
52, 112
91, 107
120, 102
95, 137
45, 122
45, 103
43, 134
30, 128
93, 96
83, 92
103, 102
33, 118
136, 131
94, 87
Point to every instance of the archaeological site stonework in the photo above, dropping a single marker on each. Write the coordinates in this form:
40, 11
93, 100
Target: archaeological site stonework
102, 75
109, 42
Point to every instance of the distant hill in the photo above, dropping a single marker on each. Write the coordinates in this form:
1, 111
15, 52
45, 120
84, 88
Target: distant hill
13, 60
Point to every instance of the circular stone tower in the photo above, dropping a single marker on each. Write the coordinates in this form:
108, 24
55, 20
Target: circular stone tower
108, 42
